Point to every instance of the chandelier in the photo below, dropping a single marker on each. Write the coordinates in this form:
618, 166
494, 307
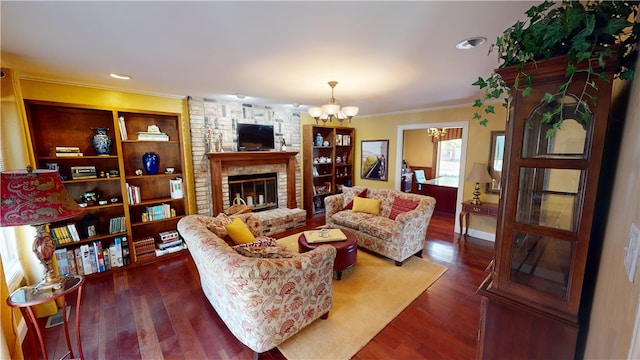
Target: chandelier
436, 133
332, 110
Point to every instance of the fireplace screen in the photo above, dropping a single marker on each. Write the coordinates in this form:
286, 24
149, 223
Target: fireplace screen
259, 191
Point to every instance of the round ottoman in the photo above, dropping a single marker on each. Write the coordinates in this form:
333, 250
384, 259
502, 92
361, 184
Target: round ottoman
347, 251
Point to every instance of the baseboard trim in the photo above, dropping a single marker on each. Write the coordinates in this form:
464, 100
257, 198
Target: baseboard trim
22, 330
481, 235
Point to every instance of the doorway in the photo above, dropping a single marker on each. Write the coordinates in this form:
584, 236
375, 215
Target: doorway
462, 155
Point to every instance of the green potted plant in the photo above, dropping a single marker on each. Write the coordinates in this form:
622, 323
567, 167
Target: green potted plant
588, 34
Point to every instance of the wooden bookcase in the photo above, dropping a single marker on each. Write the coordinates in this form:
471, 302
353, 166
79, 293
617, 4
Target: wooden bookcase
325, 168
53, 125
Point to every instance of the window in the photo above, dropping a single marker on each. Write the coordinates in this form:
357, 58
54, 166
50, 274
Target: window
449, 152
13, 272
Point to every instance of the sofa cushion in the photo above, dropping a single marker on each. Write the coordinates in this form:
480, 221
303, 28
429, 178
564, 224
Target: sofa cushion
400, 206
379, 227
369, 206
239, 232
350, 219
362, 194
265, 252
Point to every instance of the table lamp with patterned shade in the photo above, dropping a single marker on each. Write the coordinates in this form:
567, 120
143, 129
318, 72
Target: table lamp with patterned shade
478, 174
37, 197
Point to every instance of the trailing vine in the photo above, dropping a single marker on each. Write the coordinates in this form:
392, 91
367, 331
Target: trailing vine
586, 32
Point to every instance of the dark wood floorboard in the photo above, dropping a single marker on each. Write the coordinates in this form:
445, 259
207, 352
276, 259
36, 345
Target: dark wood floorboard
158, 311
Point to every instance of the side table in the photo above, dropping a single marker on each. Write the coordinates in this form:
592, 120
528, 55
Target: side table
486, 209
26, 298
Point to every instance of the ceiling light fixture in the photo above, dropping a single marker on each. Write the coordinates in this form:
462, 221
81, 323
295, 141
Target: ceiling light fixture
470, 43
333, 110
436, 133
120, 76
241, 95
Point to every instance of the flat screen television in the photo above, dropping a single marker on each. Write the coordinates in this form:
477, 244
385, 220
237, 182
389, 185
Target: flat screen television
254, 137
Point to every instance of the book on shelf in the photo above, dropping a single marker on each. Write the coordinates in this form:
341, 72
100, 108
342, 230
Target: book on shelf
152, 136
117, 225
170, 244
144, 248
79, 264
83, 172
62, 262
160, 252
97, 248
133, 194
126, 252
167, 236
115, 253
71, 260
78, 154
107, 260
123, 128
159, 212
67, 149
86, 259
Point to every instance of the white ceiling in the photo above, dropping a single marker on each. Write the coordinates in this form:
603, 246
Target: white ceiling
387, 56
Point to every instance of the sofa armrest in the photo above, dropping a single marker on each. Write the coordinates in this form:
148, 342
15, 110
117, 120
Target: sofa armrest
333, 204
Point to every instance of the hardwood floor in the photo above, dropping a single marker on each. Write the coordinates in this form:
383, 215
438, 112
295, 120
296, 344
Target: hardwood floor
158, 311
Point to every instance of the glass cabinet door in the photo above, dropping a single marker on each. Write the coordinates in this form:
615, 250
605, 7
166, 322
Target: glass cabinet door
549, 195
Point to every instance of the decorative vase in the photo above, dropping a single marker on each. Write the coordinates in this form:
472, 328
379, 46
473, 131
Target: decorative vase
319, 139
101, 141
151, 162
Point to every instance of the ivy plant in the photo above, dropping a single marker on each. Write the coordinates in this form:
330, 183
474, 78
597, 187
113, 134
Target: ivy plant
586, 32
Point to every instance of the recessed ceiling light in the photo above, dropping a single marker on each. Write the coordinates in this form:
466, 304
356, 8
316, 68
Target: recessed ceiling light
120, 76
470, 43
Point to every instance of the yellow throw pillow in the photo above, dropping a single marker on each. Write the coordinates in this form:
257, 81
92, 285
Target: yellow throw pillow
239, 232
369, 206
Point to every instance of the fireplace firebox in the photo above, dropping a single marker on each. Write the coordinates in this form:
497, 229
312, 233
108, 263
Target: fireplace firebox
260, 191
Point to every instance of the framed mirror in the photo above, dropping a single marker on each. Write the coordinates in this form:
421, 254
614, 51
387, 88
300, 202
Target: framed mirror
496, 156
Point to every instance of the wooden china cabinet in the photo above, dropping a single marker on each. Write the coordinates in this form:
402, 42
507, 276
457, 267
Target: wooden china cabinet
535, 298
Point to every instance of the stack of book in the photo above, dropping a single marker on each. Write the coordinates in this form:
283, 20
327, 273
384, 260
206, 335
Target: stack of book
159, 212
152, 136
117, 225
65, 234
68, 151
170, 242
83, 172
144, 248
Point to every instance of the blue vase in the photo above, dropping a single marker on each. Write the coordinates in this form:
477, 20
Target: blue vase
319, 139
151, 163
101, 141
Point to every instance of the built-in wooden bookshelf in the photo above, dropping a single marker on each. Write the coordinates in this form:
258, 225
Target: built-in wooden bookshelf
54, 125
328, 163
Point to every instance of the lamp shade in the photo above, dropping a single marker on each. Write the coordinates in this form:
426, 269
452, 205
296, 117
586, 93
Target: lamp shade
478, 174
34, 197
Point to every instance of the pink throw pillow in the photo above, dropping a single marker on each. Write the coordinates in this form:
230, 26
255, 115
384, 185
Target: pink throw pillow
400, 206
363, 194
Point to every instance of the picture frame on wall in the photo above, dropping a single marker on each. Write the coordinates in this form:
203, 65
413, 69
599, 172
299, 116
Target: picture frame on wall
374, 162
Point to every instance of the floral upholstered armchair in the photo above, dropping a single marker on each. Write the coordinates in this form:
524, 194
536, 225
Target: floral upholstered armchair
263, 301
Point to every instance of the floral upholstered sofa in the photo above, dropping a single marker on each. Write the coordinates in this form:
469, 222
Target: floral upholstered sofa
263, 301
397, 232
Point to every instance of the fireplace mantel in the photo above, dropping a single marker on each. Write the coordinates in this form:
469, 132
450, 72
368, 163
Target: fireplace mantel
217, 161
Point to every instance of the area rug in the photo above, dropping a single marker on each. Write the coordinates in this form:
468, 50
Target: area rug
368, 297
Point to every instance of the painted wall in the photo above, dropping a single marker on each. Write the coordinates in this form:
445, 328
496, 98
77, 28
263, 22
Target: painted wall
615, 302
418, 148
